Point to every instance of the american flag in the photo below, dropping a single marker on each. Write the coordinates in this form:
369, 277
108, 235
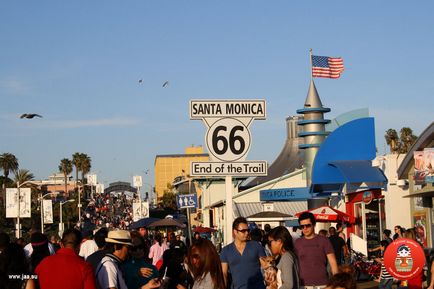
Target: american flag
328, 67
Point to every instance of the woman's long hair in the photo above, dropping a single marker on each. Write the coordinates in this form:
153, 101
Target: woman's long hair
207, 261
282, 233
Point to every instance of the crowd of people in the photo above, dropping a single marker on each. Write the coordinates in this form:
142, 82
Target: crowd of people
110, 211
273, 258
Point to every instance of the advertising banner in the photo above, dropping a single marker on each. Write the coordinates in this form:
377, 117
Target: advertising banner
12, 202
137, 215
48, 211
424, 166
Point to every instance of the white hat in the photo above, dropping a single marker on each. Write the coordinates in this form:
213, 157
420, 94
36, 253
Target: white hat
119, 237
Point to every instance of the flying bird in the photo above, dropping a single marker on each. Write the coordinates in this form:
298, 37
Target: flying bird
30, 115
166, 83
140, 81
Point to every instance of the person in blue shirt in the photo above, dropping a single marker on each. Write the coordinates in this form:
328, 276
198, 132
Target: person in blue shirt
241, 258
137, 271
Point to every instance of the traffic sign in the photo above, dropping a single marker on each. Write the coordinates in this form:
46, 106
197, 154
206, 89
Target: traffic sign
186, 201
228, 136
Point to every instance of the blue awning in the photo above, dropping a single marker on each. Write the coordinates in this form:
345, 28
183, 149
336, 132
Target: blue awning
357, 174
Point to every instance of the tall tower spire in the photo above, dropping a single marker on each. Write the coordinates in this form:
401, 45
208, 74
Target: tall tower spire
313, 128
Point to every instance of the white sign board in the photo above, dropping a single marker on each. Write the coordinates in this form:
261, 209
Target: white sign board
212, 108
12, 202
215, 169
48, 211
137, 181
92, 180
228, 136
99, 189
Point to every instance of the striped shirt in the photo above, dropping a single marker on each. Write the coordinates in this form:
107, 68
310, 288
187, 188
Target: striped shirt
385, 275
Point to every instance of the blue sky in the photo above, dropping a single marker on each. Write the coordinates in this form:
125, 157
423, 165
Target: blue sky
78, 64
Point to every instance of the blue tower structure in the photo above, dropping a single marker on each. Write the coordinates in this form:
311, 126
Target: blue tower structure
313, 125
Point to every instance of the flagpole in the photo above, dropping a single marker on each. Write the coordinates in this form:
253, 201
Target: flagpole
311, 73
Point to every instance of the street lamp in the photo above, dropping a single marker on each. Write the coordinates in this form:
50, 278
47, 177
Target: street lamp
42, 208
61, 216
18, 233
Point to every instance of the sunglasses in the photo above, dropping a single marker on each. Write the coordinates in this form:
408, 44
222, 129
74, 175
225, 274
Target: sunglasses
305, 226
243, 230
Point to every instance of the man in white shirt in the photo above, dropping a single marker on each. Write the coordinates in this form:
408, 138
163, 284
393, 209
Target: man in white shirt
108, 273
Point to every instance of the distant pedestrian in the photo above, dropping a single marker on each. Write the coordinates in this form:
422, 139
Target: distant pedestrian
157, 249
386, 280
66, 269
339, 246
241, 258
88, 245
314, 252
97, 256
40, 249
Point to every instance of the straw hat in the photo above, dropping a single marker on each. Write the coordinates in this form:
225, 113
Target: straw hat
119, 237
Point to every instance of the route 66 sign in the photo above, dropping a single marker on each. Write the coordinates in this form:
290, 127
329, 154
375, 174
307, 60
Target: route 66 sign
228, 137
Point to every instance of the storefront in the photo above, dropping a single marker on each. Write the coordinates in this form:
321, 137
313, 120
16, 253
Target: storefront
417, 170
367, 207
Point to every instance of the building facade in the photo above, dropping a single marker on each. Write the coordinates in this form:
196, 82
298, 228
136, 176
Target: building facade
168, 167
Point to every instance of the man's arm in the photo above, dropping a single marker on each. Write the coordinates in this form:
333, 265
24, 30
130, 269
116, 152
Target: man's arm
431, 284
333, 264
225, 268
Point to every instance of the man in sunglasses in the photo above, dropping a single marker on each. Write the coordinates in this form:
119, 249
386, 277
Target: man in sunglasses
241, 258
313, 251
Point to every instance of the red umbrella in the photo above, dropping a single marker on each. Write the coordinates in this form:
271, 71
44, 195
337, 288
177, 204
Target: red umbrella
329, 214
203, 230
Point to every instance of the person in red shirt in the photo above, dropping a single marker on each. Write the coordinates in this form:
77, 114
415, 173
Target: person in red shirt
66, 269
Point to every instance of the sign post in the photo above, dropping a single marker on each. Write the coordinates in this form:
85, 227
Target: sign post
228, 140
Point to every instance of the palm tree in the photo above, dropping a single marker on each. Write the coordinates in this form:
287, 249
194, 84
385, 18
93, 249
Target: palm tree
66, 168
23, 176
407, 139
76, 161
392, 140
85, 165
8, 163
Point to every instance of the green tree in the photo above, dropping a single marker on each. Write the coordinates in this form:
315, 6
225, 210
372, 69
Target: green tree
65, 167
23, 176
85, 165
407, 139
400, 144
168, 200
392, 140
76, 161
8, 163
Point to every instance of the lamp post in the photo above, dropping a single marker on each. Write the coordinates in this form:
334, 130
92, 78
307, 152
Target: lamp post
61, 216
42, 208
18, 233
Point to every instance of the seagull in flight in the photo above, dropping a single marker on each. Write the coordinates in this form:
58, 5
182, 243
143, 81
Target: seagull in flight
140, 81
166, 83
30, 115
